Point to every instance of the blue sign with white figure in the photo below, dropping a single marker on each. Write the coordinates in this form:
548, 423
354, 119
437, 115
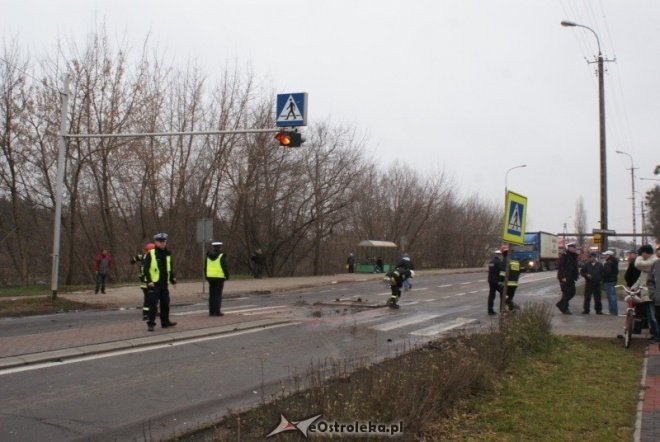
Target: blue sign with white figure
291, 109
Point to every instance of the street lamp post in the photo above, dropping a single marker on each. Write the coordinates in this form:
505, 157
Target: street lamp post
601, 109
632, 177
506, 176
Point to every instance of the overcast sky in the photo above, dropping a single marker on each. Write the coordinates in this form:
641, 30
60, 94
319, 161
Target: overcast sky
472, 87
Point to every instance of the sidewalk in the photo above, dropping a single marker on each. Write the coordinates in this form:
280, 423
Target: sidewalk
56, 346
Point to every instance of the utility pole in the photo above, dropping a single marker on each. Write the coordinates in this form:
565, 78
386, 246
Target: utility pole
59, 188
601, 120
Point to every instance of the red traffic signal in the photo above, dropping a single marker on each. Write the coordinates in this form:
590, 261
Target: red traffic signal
288, 138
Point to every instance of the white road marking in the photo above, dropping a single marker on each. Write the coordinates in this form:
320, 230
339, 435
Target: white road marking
446, 297
460, 294
419, 290
474, 291
446, 285
466, 283
141, 349
225, 310
426, 300
408, 320
443, 327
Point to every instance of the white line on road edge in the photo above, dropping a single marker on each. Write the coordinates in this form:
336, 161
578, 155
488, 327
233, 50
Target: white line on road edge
141, 349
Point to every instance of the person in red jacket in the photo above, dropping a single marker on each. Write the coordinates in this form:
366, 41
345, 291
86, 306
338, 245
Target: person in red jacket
102, 266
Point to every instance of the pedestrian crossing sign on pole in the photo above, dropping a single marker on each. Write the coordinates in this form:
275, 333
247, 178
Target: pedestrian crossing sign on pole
291, 109
515, 215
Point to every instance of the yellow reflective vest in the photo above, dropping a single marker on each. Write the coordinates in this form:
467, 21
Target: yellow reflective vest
154, 272
214, 267
514, 274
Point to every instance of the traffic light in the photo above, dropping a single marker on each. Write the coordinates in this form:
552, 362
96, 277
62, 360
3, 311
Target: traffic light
289, 138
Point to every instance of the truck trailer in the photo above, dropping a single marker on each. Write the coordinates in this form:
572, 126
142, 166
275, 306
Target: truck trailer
540, 252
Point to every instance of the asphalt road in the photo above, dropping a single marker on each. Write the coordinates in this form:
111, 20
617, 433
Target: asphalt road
158, 391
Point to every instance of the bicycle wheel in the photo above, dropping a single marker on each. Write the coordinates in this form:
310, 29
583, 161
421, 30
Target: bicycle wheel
628, 329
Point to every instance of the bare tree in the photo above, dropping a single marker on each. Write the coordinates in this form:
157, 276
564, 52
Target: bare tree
580, 222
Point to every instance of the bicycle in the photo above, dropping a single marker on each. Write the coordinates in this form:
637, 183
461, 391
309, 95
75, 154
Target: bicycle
633, 322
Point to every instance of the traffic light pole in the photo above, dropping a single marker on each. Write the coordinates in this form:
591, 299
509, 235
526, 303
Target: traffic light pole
60, 168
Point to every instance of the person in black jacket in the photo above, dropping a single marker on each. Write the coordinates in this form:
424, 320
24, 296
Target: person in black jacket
216, 271
259, 260
592, 272
158, 273
406, 263
494, 268
632, 273
610, 277
567, 274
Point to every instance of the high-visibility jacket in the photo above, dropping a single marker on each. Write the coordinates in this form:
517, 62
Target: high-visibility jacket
214, 267
514, 273
154, 271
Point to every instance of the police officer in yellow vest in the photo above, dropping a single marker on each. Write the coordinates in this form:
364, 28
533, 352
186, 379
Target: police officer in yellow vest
157, 268
216, 271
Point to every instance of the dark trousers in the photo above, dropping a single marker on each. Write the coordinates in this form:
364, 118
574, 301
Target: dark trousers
351, 268
215, 295
592, 288
145, 304
100, 282
567, 293
510, 292
396, 292
494, 288
159, 295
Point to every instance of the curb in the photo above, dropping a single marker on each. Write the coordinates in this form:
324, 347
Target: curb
146, 341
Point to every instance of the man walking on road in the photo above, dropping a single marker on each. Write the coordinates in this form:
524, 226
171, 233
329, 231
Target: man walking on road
567, 274
157, 268
216, 272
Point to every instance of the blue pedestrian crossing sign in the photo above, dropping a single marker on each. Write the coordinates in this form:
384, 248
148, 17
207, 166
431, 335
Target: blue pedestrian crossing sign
291, 109
515, 216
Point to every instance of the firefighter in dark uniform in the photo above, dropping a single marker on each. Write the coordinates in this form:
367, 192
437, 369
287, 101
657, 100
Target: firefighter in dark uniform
494, 287
216, 271
157, 268
395, 279
143, 282
514, 275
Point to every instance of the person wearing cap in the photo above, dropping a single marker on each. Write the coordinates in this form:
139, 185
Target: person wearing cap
494, 267
158, 273
644, 262
216, 271
592, 272
567, 274
610, 278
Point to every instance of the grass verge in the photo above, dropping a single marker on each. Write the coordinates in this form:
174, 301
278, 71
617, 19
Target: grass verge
516, 383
